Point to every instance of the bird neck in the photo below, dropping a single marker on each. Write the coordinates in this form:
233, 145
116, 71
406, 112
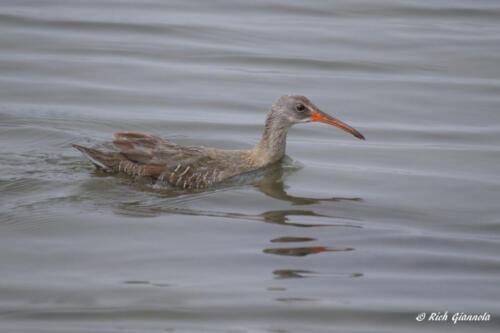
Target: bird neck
272, 145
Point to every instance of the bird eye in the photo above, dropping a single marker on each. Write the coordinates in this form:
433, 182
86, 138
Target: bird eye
300, 107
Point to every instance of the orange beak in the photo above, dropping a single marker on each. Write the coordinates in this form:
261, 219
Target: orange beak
327, 119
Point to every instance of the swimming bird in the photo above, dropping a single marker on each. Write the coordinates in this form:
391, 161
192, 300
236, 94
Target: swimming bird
197, 167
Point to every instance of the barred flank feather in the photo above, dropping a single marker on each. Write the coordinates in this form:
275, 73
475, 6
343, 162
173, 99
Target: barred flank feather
117, 162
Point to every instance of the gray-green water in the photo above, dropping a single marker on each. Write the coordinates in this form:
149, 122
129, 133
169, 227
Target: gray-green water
410, 220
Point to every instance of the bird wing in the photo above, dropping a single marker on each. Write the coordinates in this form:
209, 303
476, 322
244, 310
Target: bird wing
137, 147
183, 166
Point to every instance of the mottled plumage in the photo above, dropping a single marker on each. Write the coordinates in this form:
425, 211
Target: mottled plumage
192, 167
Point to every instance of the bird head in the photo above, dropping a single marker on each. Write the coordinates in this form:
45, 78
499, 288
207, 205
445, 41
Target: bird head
295, 109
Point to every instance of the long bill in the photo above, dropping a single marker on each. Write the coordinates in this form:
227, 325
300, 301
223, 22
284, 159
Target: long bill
322, 117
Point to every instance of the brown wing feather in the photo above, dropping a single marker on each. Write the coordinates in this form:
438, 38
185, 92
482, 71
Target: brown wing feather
181, 166
137, 147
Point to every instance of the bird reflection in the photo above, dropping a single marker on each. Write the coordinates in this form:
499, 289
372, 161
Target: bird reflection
295, 299
291, 273
304, 251
302, 273
138, 209
288, 239
273, 185
283, 217
269, 181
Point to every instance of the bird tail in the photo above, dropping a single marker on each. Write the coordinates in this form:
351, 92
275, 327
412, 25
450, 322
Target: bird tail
105, 161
